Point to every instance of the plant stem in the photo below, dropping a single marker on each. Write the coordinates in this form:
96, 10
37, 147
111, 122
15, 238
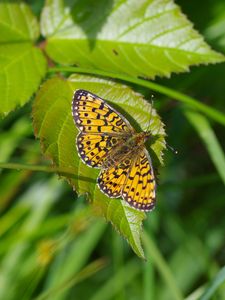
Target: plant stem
193, 103
48, 169
68, 172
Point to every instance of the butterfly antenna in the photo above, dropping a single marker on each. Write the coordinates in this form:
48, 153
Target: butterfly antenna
165, 143
171, 149
159, 129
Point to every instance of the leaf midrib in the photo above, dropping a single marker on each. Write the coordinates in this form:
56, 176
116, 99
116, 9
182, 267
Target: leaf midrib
205, 54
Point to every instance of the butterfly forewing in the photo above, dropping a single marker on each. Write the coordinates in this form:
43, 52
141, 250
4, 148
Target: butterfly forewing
93, 115
101, 127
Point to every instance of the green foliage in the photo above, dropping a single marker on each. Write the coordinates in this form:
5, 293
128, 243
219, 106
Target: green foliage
215, 30
145, 38
218, 280
22, 66
53, 245
212, 145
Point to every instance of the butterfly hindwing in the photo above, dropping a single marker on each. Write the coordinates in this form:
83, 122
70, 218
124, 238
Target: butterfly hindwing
132, 179
112, 180
139, 190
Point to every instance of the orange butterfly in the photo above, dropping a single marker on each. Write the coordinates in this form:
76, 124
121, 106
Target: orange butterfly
107, 141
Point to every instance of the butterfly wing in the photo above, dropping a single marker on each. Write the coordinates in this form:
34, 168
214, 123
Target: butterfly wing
101, 127
93, 115
94, 149
139, 190
112, 180
132, 179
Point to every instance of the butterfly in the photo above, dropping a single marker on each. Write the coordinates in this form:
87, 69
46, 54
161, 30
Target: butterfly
107, 141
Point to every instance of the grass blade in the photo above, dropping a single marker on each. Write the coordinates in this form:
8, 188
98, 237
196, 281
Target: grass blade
203, 128
213, 286
162, 267
109, 290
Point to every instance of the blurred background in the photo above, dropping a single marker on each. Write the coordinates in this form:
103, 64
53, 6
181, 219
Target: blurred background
51, 247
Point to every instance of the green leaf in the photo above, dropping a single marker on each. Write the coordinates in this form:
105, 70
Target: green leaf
54, 125
17, 23
22, 66
139, 38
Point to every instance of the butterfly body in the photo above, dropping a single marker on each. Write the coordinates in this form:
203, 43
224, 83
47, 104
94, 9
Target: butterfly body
107, 141
132, 144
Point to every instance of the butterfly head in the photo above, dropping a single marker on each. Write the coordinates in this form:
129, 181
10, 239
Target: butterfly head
142, 137
147, 135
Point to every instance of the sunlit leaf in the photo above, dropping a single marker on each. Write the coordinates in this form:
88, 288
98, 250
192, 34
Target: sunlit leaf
139, 38
54, 125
